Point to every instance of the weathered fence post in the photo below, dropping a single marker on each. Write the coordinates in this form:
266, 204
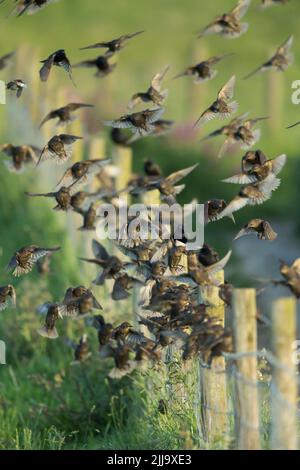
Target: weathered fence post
123, 160
284, 383
245, 338
213, 390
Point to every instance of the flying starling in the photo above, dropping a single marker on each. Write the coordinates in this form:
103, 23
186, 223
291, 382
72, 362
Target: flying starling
59, 149
123, 285
7, 296
261, 228
141, 122
81, 350
30, 6
64, 115
82, 170
229, 24
280, 61
160, 128
259, 172
203, 71
291, 275
63, 196
5, 60
252, 194
21, 156
23, 260
58, 59
222, 107
153, 94
52, 316
101, 63
115, 45
16, 86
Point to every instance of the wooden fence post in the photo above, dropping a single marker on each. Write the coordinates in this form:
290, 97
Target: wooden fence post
274, 89
245, 338
284, 383
213, 390
123, 160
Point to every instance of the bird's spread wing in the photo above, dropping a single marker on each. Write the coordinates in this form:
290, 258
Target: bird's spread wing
46, 68
241, 9
278, 163
158, 78
179, 175
226, 93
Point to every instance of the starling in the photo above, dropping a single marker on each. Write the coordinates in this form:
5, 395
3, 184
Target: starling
251, 159
52, 316
123, 364
101, 63
80, 306
7, 296
291, 275
16, 86
208, 256
21, 156
152, 169
59, 148
89, 217
63, 196
203, 71
125, 334
261, 228
23, 260
252, 194
122, 286
5, 60
81, 352
153, 94
64, 115
222, 107
229, 24
111, 265
259, 172
115, 45
280, 61
58, 59
213, 208
30, 6
141, 122
82, 170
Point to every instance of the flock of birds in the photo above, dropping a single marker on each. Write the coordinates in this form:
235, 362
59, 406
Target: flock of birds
167, 275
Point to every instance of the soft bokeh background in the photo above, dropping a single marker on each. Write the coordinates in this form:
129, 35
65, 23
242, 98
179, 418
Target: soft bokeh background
170, 38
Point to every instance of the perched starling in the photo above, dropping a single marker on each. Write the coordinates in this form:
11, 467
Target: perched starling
280, 61
291, 276
23, 260
5, 60
82, 170
7, 296
141, 122
58, 59
261, 228
115, 45
21, 156
252, 194
63, 196
259, 172
64, 115
80, 306
59, 148
153, 94
17, 86
123, 364
101, 63
120, 137
229, 24
203, 71
222, 107
111, 265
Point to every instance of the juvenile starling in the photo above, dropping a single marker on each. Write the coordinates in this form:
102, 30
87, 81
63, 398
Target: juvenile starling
259, 172
82, 170
160, 128
7, 296
280, 61
153, 94
291, 276
222, 107
89, 217
213, 208
123, 285
252, 194
101, 63
64, 115
203, 71
115, 45
17, 86
111, 265
59, 148
58, 59
21, 156
23, 260
52, 316
141, 122
81, 352
229, 24
63, 196
123, 364
251, 159
5, 60
261, 228
80, 306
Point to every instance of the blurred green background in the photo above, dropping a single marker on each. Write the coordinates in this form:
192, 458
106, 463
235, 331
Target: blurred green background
170, 37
